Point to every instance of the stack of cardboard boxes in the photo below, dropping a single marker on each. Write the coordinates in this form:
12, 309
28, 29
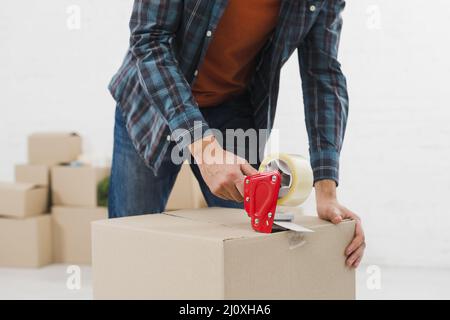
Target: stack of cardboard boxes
75, 206
29, 236
53, 181
25, 228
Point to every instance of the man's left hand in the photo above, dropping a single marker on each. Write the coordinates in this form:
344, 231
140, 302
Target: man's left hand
328, 208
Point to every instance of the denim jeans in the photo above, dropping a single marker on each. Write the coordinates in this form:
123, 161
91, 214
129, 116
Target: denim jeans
135, 189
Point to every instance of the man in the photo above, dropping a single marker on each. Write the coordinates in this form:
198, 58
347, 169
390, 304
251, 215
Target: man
196, 65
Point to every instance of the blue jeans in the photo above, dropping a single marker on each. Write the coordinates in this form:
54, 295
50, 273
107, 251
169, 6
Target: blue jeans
135, 190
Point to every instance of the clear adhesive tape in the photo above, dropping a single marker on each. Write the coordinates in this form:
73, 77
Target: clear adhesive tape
297, 177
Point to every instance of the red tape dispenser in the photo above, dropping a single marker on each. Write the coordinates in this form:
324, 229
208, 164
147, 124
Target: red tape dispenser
260, 199
284, 179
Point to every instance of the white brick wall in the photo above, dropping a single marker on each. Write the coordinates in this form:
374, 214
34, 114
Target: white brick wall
397, 152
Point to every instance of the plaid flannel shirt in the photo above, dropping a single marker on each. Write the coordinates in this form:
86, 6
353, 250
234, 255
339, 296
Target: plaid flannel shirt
168, 42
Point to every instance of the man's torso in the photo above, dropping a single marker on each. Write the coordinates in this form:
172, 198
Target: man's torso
198, 22
242, 31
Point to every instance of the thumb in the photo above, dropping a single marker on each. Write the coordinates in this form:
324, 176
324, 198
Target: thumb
247, 169
333, 215
336, 219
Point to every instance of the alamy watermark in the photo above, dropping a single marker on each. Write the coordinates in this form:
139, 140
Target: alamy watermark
373, 21
373, 281
73, 281
73, 21
241, 144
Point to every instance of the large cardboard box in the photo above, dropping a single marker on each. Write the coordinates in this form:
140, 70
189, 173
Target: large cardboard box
76, 186
51, 148
20, 200
37, 174
72, 233
214, 254
25, 242
186, 193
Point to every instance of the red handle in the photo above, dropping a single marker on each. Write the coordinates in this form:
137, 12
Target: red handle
260, 199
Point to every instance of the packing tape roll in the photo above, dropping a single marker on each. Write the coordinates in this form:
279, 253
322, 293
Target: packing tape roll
297, 177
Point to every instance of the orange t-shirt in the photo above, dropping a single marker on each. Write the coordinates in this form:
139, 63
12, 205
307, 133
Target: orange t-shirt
230, 59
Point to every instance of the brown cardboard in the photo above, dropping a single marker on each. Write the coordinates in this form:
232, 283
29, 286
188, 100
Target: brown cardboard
20, 200
186, 193
25, 242
214, 254
37, 174
51, 148
72, 233
76, 186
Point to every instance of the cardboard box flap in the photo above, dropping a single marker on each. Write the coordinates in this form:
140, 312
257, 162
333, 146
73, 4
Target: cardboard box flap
238, 219
215, 223
174, 223
19, 186
51, 148
232, 218
57, 134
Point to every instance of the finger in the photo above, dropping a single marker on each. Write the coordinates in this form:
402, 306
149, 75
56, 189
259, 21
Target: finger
228, 190
333, 215
355, 256
220, 194
348, 214
358, 239
247, 169
336, 218
234, 193
238, 195
239, 184
357, 262
227, 193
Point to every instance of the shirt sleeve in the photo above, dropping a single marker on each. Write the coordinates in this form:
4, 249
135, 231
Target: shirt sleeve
324, 91
153, 25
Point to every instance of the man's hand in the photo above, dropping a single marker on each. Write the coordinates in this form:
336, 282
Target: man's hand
329, 209
223, 171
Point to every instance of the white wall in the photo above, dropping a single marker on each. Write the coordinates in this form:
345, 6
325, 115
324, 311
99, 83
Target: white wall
395, 54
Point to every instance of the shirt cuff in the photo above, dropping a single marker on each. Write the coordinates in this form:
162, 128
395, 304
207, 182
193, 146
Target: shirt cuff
325, 165
187, 128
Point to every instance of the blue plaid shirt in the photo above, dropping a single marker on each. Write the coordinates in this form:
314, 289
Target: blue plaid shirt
168, 42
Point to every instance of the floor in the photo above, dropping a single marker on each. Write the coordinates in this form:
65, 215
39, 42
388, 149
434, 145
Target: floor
53, 282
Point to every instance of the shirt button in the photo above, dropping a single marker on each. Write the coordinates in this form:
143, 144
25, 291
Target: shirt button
208, 33
168, 137
312, 8
195, 72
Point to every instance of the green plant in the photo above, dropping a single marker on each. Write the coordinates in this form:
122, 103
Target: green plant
102, 192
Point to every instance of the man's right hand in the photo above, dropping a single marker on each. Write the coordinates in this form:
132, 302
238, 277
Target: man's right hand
223, 171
